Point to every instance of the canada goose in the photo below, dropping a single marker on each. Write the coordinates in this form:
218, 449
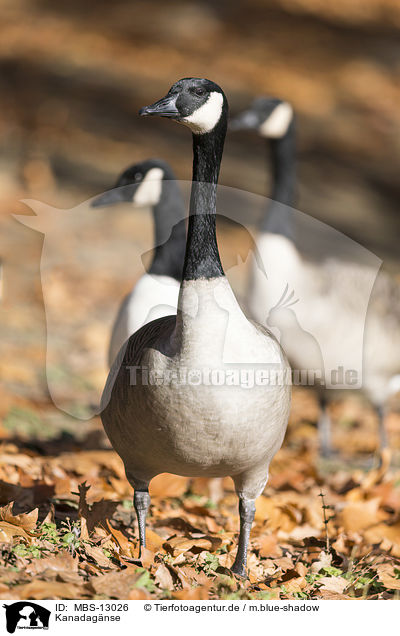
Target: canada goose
316, 282
183, 422
155, 294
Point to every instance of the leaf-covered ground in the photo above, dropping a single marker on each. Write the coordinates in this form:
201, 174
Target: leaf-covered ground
71, 531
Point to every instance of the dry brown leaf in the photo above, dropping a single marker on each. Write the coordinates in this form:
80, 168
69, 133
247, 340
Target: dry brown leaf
333, 596
147, 557
296, 585
381, 532
96, 553
389, 494
267, 545
284, 563
123, 542
301, 532
58, 563
387, 576
8, 531
27, 520
166, 485
115, 584
357, 516
324, 561
274, 592
49, 589
153, 541
333, 583
179, 545
88, 463
226, 560
192, 576
138, 595
301, 569
163, 577
340, 545
193, 594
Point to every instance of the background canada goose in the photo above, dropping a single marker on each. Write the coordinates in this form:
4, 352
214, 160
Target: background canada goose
197, 427
315, 281
150, 183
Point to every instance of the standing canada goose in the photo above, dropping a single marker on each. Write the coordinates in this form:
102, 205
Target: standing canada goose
160, 409
315, 282
150, 183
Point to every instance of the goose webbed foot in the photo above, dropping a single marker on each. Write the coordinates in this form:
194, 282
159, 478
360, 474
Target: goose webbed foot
247, 510
141, 503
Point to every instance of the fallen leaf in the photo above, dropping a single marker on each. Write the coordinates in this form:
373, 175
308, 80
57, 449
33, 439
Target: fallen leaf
49, 590
295, 585
116, 584
267, 545
178, 545
193, 594
357, 516
324, 561
8, 531
334, 596
123, 542
163, 577
153, 541
96, 553
388, 576
147, 557
27, 520
138, 595
333, 583
58, 563
166, 485
381, 532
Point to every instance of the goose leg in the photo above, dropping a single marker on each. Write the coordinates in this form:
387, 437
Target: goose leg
247, 510
383, 440
324, 430
141, 502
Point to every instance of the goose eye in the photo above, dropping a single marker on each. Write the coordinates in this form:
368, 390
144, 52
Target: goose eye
199, 92
138, 176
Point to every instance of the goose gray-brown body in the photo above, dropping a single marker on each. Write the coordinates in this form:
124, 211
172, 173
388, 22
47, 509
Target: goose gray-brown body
159, 422
198, 429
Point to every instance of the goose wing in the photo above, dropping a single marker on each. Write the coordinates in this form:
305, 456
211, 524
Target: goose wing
155, 334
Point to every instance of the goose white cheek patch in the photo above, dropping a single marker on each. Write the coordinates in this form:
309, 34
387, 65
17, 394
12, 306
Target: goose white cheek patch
278, 122
205, 118
149, 191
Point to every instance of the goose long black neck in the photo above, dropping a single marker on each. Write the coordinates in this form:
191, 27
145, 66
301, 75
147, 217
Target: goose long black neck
169, 231
278, 218
202, 256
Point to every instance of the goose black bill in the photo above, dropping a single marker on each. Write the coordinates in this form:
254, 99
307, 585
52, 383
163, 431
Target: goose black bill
165, 107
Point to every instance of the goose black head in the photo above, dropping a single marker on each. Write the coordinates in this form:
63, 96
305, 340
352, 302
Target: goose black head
197, 103
140, 184
270, 116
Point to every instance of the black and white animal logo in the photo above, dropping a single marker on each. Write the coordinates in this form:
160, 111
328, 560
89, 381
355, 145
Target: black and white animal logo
26, 615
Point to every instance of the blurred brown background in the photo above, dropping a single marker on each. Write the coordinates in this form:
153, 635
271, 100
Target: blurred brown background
73, 76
